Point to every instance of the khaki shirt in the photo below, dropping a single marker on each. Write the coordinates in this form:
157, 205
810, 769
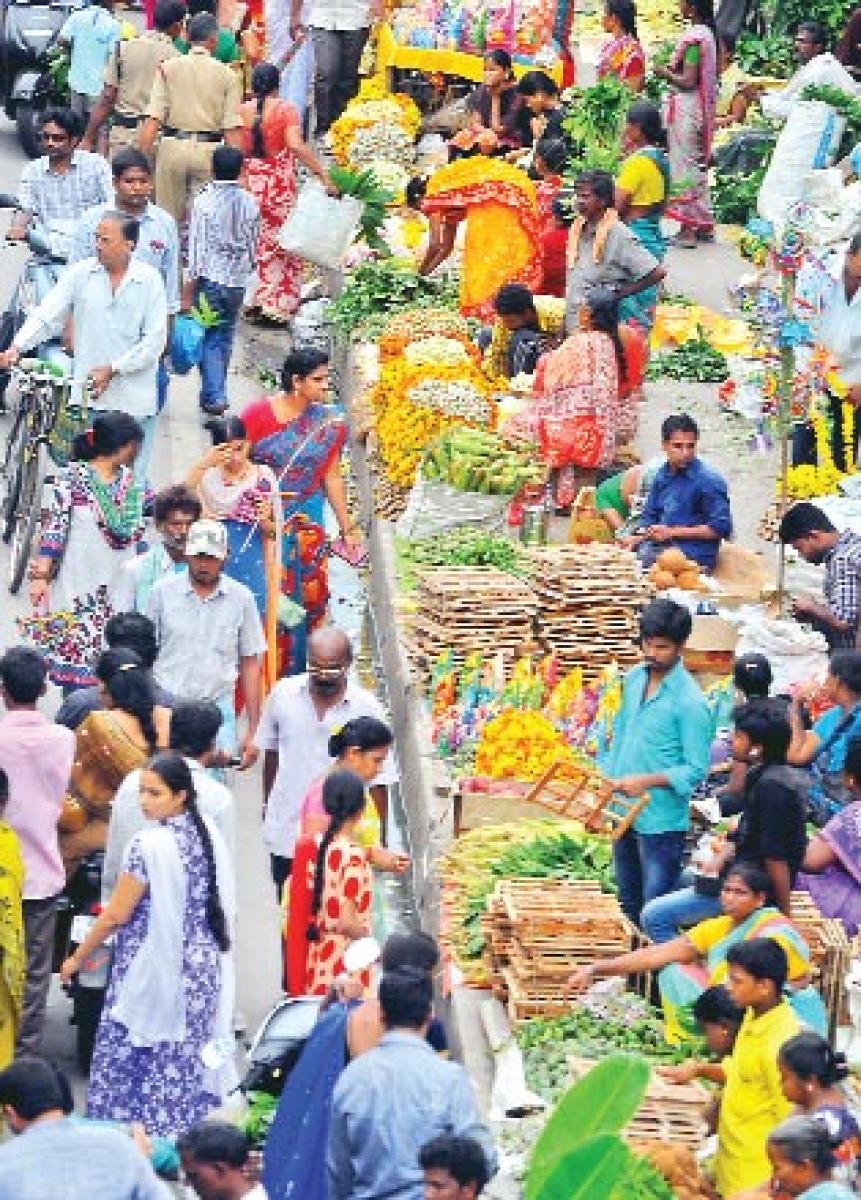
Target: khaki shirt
196, 93
131, 70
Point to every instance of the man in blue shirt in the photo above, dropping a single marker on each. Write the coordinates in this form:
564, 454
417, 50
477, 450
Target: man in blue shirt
688, 505
91, 34
391, 1100
660, 744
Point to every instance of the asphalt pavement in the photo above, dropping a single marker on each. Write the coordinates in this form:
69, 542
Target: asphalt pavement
180, 441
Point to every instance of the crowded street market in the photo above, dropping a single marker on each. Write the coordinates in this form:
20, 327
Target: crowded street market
430, 638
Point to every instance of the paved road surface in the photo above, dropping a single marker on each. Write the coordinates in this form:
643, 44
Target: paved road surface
180, 440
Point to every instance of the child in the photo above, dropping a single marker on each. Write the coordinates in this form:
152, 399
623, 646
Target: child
719, 1021
455, 1168
753, 1101
810, 1072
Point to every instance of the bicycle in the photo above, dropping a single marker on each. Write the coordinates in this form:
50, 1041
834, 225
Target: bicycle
43, 392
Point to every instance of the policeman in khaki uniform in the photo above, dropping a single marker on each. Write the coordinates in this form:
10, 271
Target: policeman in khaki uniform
129, 77
195, 103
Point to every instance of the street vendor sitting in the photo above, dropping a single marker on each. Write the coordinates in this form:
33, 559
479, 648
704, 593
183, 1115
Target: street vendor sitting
524, 328
688, 505
811, 534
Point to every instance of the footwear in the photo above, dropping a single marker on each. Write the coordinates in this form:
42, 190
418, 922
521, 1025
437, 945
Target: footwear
214, 410
684, 241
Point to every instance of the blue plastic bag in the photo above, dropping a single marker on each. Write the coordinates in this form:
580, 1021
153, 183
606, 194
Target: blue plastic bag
186, 343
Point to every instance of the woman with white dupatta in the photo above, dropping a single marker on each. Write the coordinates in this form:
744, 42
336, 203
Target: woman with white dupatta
164, 1049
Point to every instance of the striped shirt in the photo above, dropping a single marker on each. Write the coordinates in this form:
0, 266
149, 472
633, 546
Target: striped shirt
50, 196
842, 590
223, 234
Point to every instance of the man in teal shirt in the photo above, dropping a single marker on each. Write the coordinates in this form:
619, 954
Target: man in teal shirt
660, 744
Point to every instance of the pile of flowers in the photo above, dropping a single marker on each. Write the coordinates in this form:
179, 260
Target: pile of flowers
520, 744
806, 482
408, 327
378, 126
453, 396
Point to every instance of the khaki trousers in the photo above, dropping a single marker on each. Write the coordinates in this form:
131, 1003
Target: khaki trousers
119, 137
182, 167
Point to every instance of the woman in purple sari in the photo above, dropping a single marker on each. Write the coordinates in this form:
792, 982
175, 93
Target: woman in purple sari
301, 438
831, 871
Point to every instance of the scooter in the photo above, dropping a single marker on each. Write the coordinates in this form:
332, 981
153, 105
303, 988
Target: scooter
78, 907
279, 1041
49, 250
28, 31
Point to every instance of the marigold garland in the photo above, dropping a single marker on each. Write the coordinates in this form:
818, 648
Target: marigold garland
373, 107
807, 481
520, 744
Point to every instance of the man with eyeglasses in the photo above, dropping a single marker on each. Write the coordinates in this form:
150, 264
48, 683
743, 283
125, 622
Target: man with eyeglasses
299, 716
60, 186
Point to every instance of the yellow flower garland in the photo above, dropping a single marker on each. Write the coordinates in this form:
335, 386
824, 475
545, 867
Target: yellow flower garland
805, 482
373, 107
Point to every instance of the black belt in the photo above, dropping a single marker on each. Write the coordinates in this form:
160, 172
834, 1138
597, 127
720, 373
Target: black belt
125, 122
191, 134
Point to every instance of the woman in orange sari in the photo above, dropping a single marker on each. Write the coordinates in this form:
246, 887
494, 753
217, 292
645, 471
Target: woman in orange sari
503, 228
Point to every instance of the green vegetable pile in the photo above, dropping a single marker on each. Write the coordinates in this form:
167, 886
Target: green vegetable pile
593, 122
549, 1042
474, 461
376, 290
654, 88
59, 62
772, 54
734, 196
694, 359
258, 1120
784, 16
561, 856
464, 547
841, 102
642, 1181
365, 186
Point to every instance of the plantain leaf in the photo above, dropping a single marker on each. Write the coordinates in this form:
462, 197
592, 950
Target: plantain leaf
603, 1101
590, 1172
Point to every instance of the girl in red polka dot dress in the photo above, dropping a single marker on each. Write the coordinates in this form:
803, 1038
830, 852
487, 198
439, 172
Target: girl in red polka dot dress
341, 904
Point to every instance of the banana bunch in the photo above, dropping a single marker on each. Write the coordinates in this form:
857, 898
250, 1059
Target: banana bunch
473, 460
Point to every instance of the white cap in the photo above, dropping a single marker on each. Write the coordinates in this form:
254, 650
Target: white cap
207, 537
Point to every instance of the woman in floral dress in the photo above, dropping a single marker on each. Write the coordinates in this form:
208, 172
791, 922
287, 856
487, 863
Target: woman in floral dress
341, 897
164, 1048
273, 144
91, 523
623, 55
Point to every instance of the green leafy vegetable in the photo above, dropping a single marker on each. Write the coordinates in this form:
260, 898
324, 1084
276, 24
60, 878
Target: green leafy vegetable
258, 1120
365, 186
642, 1181
375, 290
734, 196
772, 54
694, 359
841, 102
460, 548
204, 313
593, 121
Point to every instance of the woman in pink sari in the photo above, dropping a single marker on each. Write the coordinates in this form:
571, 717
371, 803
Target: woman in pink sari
690, 118
623, 55
273, 144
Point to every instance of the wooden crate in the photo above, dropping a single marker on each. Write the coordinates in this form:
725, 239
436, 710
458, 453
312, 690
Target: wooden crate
670, 1112
588, 798
830, 952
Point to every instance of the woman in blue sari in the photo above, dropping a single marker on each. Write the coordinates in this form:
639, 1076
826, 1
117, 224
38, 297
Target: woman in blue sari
642, 189
300, 437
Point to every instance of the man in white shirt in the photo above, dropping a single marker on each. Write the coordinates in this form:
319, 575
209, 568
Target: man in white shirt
298, 718
174, 512
214, 1158
118, 308
193, 732
816, 67
339, 30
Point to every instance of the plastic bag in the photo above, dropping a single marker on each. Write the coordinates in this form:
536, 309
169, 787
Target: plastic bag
571, 441
186, 343
320, 227
808, 141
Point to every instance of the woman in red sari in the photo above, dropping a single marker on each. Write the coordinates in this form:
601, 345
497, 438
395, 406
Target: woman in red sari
272, 145
339, 880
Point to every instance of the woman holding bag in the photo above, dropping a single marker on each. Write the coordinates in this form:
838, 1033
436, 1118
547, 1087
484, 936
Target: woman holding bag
164, 1048
272, 146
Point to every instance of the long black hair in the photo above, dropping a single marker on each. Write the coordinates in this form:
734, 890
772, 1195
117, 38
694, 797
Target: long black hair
343, 798
110, 432
130, 687
174, 772
604, 317
300, 363
264, 82
361, 733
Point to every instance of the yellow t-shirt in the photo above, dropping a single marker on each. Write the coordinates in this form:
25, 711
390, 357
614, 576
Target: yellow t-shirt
706, 934
641, 178
752, 1102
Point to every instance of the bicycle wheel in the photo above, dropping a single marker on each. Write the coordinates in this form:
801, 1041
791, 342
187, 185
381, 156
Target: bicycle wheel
11, 471
28, 513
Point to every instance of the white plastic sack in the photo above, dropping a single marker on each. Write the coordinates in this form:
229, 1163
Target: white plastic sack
435, 507
320, 227
834, 210
796, 654
808, 141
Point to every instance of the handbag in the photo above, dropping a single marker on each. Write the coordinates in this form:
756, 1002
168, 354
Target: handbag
321, 227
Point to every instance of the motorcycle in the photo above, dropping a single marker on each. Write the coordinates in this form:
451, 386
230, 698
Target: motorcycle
78, 907
28, 32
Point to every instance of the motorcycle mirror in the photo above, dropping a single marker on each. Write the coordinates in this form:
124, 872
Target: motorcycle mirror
37, 242
7, 200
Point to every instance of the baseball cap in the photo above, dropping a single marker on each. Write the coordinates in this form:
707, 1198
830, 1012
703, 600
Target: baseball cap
207, 537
